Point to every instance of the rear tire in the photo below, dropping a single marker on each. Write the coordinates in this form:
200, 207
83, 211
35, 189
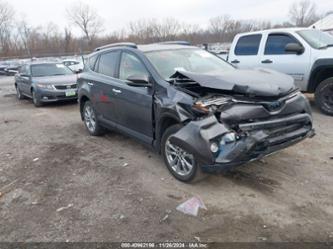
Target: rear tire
35, 99
19, 95
195, 174
90, 120
324, 96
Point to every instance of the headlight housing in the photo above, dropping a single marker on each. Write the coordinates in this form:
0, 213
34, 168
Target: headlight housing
208, 105
45, 86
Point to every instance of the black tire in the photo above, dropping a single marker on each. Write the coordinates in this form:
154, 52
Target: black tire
324, 96
195, 174
19, 95
35, 99
94, 130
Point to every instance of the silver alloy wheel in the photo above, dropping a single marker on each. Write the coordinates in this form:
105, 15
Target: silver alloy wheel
89, 118
179, 160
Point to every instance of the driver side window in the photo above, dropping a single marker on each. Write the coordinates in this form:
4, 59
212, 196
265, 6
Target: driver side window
130, 65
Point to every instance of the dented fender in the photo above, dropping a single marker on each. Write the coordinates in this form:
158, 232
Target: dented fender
196, 136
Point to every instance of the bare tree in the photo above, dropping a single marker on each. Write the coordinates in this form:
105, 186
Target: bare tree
86, 19
303, 13
6, 19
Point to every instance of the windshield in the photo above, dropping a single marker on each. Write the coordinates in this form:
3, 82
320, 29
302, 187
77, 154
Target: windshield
50, 69
316, 38
167, 62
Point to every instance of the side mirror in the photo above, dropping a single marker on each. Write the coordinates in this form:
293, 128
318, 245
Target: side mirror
138, 80
294, 48
78, 71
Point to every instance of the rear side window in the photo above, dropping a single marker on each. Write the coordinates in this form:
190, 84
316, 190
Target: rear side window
248, 45
276, 43
107, 64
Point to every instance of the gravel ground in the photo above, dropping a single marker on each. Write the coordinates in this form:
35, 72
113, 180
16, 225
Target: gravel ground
57, 183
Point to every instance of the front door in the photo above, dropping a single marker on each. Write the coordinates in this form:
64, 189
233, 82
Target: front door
133, 103
275, 57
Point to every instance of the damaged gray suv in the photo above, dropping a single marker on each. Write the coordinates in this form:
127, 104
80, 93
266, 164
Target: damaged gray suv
201, 113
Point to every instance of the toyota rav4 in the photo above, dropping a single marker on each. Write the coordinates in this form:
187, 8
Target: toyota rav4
198, 111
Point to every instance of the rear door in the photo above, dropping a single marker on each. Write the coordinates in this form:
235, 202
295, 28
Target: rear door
244, 53
275, 57
104, 83
133, 103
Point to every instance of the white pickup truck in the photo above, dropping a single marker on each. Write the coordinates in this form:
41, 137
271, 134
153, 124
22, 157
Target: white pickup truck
304, 54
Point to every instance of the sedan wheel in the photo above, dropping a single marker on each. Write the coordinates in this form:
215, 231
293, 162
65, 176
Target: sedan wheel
19, 94
35, 100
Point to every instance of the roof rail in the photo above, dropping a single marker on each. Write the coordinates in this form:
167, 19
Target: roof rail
119, 44
186, 43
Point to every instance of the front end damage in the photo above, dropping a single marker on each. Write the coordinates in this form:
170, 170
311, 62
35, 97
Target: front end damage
239, 129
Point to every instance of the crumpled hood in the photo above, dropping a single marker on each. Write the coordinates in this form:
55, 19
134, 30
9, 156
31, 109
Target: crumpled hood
57, 80
258, 82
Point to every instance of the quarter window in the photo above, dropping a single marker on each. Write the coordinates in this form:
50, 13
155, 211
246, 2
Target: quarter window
130, 65
248, 45
108, 63
276, 43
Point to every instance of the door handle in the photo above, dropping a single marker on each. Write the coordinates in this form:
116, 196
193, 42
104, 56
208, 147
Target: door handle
90, 84
116, 90
267, 61
235, 61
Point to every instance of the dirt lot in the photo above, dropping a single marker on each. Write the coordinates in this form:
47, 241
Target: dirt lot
286, 197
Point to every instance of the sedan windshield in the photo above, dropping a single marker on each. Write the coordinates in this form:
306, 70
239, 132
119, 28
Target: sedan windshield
167, 62
316, 38
50, 69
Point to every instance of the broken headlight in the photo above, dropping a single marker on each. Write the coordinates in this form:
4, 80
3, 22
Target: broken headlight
208, 105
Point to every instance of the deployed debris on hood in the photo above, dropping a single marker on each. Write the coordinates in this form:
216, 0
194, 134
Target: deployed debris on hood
191, 206
260, 82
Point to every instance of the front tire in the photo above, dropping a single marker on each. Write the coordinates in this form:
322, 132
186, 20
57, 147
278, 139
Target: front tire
181, 164
324, 96
35, 99
19, 95
90, 120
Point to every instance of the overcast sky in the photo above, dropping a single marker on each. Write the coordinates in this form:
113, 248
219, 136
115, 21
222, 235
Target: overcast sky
118, 13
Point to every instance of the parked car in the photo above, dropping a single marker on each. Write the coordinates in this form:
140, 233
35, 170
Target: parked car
12, 69
74, 65
197, 110
45, 82
304, 54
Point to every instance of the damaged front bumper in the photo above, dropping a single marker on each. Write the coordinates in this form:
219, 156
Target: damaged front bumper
218, 146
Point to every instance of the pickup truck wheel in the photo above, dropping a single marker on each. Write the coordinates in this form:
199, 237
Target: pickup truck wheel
18, 93
324, 96
35, 99
181, 164
90, 120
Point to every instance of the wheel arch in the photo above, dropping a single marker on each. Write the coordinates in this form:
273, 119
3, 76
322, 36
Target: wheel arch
165, 121
321, 70
83, 99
